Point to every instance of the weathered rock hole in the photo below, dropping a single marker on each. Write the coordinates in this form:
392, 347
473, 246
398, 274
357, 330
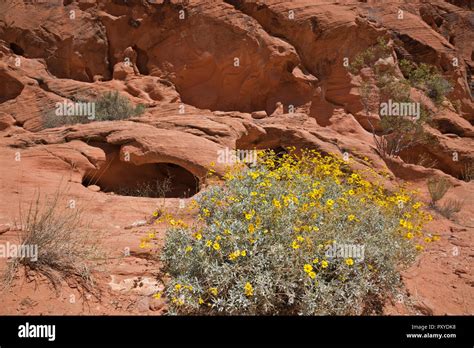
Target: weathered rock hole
17, 49
142, 60
153, 180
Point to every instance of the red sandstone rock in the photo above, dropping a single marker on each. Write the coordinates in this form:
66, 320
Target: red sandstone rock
208, 82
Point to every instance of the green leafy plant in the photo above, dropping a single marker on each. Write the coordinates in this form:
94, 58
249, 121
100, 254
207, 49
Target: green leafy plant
369, 56
427, 78
393, 134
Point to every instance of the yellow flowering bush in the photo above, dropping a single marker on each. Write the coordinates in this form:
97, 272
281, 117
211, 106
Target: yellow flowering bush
260, 243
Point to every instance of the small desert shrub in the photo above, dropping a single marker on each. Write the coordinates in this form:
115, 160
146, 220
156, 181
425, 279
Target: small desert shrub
437, 189
113, 106
392, 88
369, 56
63, 245
397, 132
426, 78
260, 244
108, 107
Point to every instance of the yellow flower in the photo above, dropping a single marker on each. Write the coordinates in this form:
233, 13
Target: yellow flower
234, 255
228, 176
409, 235
316, 260
295, 245
198, 236
428, 240
209, 243
324, 264
157, 295
349, 262
312, 275
308, 268
216, 246
151, 235
419, 247
248, 289
254, 175
329, 202
200, 301
213, 291
300, 239
436, 238
177, 287
253, 193
351, 192
351, 217
155, 213
251, 228
188, 249
276, 203
243, 253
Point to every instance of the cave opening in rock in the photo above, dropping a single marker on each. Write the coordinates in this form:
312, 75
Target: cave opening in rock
153, 180
17, 49
142, 60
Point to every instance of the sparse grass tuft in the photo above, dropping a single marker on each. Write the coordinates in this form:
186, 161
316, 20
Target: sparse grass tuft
450, 207
437, 188
63, 245
156, 189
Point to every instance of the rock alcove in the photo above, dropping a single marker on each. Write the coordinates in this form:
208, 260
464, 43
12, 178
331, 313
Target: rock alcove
153, 180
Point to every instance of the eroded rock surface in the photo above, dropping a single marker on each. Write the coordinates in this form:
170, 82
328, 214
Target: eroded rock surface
214, 75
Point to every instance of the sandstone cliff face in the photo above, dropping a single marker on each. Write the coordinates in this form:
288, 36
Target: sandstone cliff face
228, 74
